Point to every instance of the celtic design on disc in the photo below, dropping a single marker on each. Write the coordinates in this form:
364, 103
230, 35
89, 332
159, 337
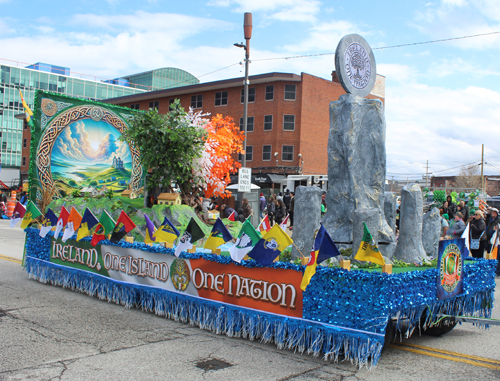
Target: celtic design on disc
96, 113
49, 107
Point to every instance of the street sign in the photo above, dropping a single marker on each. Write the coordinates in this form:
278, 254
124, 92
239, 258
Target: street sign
244, 179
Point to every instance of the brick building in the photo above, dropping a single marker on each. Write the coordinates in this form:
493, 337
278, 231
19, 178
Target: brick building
288, 115
491, 184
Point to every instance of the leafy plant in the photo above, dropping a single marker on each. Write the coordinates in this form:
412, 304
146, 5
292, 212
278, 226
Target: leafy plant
75, 193
110, 194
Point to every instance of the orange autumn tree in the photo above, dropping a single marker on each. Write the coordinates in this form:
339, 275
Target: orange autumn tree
223, 141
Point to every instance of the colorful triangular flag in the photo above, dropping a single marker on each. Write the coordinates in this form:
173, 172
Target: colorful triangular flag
74, 221
284, 223
61, 221
104, 228
247, 239
150, 230
88, 222
18, 214
264, 225
166, 232
270, 246
32, 212
192, 234
218, 236
49, 221
323, 248
232, 216
123, 225
368, 250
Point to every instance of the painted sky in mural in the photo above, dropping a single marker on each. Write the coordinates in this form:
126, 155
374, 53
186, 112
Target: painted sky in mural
89, 153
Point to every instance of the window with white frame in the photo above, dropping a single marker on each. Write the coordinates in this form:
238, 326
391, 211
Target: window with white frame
289, 122
287, 153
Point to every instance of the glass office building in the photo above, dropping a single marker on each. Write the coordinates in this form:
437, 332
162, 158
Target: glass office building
159, 79
43, 77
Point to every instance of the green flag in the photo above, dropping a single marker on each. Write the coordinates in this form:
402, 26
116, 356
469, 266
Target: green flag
368, 250
107, 222
32, 212
247, 239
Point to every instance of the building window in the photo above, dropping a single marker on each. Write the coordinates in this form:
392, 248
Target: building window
287, 153
269, 92
266, 153
197, 101
154, 105
250, 123
221, 98
289, 122
268, 122
249, 154
135, 106
24, 160
251, 94
170, 102
290, 92
24, 143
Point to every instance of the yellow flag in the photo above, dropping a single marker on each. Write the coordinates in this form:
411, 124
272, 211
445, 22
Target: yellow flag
368, 250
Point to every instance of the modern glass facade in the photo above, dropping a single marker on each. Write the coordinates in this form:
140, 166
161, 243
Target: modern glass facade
28, 80
160, 79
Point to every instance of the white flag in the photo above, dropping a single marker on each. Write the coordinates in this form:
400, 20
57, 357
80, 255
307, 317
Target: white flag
59, 226
184, 244
68, 232
44, 230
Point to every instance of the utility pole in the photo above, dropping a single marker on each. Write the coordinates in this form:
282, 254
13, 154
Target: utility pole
482, 168
427, 174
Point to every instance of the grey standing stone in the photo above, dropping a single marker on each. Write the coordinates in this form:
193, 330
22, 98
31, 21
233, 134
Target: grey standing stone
431, 230
356, 165
409, 248
372, 219
307, 214
390, 208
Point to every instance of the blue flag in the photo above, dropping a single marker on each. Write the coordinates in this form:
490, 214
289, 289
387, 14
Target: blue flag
48, 222
323, 248
270, 246
166, 232
218, 236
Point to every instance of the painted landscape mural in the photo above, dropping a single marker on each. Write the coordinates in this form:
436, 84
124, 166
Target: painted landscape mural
87, 153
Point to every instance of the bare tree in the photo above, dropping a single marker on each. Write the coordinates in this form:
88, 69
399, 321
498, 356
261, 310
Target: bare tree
468, 177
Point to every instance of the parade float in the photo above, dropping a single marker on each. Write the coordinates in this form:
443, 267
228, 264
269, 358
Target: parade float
340, 313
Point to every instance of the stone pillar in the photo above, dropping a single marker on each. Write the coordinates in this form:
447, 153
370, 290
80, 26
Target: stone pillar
390, 209
372, 219
307, 215
431, 231
356, 165
409, 248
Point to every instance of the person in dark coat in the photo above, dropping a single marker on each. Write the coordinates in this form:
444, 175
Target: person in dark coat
271, 210
280, 212
240, 217
458, 227
477, 231
246, 208
262, 205
452, 207
226, 212
286, 200
464, 209
492, 221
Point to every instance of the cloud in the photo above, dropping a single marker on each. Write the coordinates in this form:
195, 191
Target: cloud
439, 125
74, 144
283, 10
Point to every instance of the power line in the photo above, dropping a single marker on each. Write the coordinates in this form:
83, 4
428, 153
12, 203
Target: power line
384, 47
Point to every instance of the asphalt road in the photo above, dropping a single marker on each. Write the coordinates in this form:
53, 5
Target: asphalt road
50, 333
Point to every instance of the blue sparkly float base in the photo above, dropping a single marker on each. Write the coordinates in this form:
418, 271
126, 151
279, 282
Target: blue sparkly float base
345, 313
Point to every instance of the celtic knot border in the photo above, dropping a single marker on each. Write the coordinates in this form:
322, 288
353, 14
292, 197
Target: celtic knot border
63, 120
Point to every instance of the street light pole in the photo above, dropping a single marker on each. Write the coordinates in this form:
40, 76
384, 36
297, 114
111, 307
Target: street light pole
247, 29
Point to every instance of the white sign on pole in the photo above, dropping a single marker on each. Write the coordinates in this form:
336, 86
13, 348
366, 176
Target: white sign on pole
244, 179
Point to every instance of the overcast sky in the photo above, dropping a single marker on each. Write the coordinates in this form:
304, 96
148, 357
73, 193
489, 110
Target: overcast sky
442, 99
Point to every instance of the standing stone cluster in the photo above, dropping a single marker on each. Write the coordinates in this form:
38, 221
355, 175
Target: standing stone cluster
410, 248
307, 212
356, 166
